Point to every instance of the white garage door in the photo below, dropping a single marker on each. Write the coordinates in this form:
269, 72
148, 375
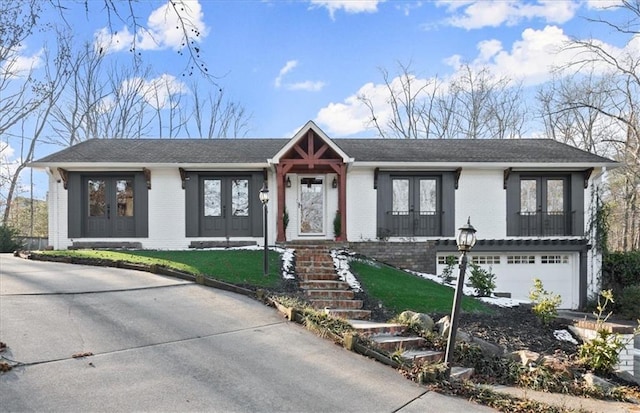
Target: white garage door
515, 272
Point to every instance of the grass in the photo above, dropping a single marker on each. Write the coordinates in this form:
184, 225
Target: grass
243, 267
397, 290
400, 291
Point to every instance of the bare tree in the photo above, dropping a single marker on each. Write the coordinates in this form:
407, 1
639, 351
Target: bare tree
619, 102
32, 128
215, 117
473, 104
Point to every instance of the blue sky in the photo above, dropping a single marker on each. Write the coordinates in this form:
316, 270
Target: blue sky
288, 62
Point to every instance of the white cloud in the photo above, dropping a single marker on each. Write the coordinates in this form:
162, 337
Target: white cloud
531, 59
349, 6
603, 4
289, 66
20, 65
158, 91
169, 26
494, 13
307, 85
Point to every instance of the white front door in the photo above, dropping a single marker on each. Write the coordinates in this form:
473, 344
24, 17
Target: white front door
312, 200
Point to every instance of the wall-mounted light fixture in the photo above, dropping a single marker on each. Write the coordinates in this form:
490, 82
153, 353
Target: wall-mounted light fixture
334, 184
288, 183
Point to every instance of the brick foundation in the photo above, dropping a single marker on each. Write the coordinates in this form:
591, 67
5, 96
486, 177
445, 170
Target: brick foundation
416, 256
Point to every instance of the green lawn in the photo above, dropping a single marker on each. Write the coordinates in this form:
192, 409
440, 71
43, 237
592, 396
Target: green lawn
232, 266
400, 291
397, 290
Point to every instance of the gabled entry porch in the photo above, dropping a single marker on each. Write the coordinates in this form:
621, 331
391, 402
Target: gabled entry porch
311, 180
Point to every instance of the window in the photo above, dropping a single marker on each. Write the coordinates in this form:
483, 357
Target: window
415, 204
485, 259
554, 259
521, 259
223, 204
545, 205
107, 205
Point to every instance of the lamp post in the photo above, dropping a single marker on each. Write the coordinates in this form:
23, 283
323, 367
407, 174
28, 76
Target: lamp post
465, 240
264, 198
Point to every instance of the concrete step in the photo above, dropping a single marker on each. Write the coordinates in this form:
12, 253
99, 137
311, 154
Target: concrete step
337, 304
370, 328
394, 343
461, 373
324, 285
428, 356
350, 314
330, 294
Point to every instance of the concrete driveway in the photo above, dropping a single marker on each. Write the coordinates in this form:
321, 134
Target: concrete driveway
161, 344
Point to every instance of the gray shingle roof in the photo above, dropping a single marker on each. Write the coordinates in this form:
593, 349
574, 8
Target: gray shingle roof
150, 151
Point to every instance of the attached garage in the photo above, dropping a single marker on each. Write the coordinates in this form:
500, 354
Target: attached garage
559, 264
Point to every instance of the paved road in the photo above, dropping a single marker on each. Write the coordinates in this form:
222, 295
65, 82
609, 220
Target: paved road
161, 344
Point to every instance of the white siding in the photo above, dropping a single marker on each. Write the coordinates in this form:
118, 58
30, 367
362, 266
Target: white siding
481, 197
57, 200
166, 211
361, 205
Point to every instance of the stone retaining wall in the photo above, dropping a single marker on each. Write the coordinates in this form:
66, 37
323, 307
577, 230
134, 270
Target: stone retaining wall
416, 256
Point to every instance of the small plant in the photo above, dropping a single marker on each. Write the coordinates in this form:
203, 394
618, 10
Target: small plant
447, 272
602, 353
483, 281
629, 302
285, 218
9, 239
545, 303
337, 225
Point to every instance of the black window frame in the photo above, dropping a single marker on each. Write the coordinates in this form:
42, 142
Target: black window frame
77, 206
195, 219
543, 224
415, 224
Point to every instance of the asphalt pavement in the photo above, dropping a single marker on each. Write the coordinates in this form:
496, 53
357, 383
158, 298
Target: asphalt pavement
162, 344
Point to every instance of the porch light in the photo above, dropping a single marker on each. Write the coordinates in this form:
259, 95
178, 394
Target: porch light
334, 184
264, 194
288, 182
466, 236
466, 239
264, 198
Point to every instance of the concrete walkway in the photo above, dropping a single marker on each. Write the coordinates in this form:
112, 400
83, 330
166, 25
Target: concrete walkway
160, 344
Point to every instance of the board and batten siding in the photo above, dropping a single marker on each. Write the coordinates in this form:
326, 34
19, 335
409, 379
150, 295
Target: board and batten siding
361, 205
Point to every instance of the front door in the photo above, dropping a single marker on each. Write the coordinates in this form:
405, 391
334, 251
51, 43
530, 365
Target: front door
312, 206
225, 206
109, 208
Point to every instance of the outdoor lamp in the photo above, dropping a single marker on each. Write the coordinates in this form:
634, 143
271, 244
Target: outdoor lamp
264, 194
466, 239
466, 236
264, 198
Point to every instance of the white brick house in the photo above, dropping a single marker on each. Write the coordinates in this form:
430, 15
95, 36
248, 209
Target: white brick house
528, 199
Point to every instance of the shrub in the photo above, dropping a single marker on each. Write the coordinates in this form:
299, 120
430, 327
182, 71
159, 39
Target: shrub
545, 303
629, 302
620, 269
483, 281
447, 272
602, 353
337, 225
9, 239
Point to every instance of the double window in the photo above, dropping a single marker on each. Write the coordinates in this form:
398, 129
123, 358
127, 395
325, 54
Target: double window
223, 204
415, 205
107, 205
545, 205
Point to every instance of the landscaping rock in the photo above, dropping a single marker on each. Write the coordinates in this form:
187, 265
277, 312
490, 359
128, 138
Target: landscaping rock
488, 349
423, 320
595, 381
558, 365
526, 357
628, 377
443, 325
406, 316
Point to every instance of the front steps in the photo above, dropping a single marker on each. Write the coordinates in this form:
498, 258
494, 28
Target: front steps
322, 288
389, 337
